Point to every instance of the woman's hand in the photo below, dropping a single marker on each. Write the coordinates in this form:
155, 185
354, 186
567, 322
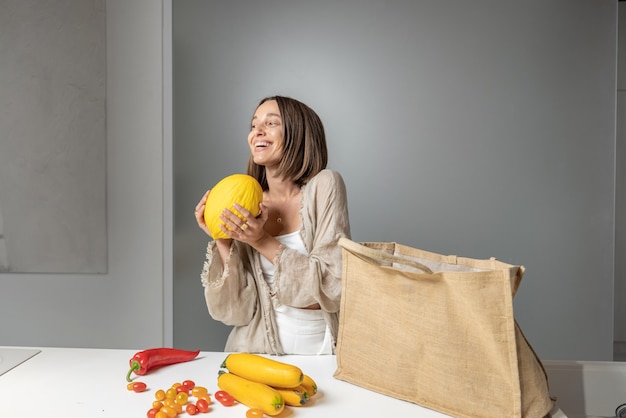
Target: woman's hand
248, 230
199, 213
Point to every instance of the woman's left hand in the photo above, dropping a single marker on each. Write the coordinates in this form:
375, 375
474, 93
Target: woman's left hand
249, 229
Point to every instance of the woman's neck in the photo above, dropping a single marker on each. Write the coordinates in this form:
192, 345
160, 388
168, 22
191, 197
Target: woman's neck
283, 202
281, 190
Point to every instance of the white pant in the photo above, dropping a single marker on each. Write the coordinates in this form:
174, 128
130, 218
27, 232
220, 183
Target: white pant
303, 331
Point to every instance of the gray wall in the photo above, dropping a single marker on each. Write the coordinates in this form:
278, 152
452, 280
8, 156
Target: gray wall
127, 307
472, 128
406, 89
620, 195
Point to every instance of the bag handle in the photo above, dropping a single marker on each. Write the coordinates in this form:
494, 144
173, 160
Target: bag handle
378, 255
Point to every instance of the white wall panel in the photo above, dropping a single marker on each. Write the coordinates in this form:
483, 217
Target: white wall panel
123, 308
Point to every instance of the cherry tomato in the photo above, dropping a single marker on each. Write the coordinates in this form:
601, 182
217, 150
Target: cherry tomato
136, 386
189, 384
191, 409
198, 391
254, 413
159, 395
170, 393
182, 398
224, 398
169, 411
152, 412
170, 402
202, 405
220, 394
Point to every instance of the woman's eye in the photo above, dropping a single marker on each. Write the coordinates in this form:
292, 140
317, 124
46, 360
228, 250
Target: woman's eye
270, 123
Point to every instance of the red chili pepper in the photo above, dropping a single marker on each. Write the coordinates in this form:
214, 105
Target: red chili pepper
143, 361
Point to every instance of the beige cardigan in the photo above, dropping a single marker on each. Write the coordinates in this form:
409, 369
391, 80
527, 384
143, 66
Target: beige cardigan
237, 294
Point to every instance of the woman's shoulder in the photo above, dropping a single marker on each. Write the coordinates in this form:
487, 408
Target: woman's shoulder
327, 183
327, 177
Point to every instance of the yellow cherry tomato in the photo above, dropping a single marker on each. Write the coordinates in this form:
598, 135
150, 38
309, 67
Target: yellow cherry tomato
181, 398
198, 391
254, 413
159, 395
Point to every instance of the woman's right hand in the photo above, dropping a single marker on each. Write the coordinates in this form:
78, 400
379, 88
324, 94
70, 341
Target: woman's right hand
199, 213
223, 244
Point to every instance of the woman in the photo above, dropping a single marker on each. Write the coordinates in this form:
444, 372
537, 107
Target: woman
277, 279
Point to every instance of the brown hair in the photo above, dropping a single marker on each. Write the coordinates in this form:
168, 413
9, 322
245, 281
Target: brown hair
305, 153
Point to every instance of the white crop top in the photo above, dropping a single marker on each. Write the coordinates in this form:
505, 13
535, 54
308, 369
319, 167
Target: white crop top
300, 331
292, 240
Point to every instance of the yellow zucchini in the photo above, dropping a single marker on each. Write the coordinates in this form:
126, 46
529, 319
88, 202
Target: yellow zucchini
309, 384
263, 370
294, 396
252, 394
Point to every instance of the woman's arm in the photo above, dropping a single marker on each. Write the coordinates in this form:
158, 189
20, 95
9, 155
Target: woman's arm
303, 280
229, 288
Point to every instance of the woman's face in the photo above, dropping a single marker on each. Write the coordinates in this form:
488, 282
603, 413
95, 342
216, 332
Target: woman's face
266, 137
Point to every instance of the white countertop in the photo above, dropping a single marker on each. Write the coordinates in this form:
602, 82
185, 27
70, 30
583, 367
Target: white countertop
89, 383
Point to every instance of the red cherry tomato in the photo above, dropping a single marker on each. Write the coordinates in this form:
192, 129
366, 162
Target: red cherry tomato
202, 405
224, 398
192, 409
220, 394
137, 386
152, 412
254, 413
189, 384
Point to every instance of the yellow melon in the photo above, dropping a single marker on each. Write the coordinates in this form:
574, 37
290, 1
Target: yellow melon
236, 188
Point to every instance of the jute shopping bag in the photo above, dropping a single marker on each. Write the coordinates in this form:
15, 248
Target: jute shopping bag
438, 331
